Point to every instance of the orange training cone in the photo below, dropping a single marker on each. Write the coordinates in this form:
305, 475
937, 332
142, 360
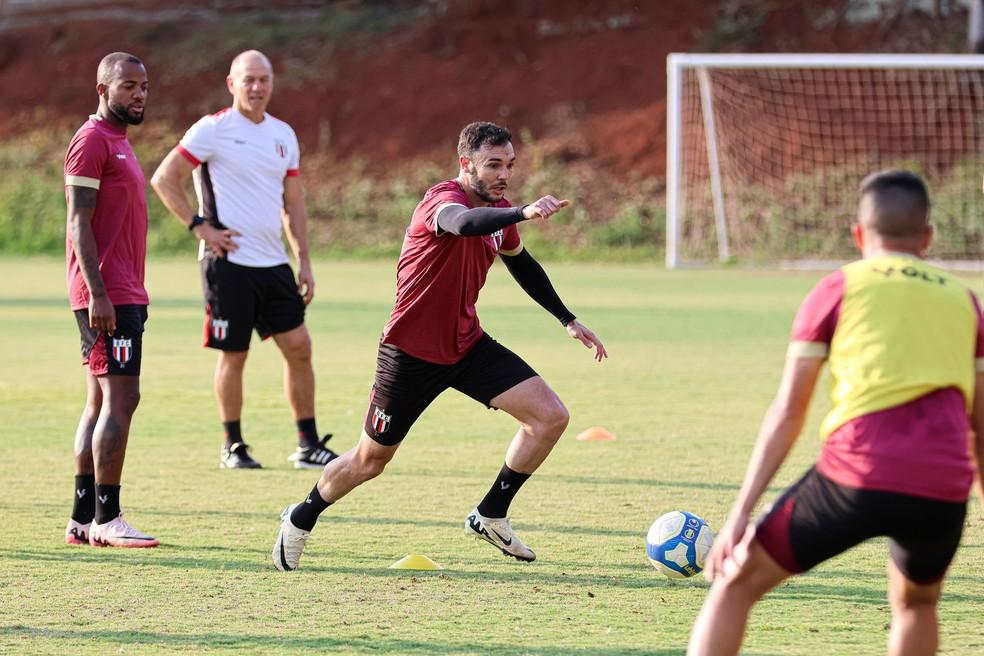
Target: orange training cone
595, 434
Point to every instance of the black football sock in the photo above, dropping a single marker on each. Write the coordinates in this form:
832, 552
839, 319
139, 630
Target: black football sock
500, 495
84, 503
233, 432
107, 503
307, 433
305, 515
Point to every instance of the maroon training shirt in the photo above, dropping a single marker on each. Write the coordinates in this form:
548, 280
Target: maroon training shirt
438, 278
100, 157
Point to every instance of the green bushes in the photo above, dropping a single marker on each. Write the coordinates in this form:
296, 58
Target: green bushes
32, 200
353, 211
808, 216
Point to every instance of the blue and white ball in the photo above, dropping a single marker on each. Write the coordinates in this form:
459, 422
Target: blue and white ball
678, 543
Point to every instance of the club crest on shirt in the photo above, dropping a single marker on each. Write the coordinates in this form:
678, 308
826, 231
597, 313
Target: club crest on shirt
380, 420
220, 328
281, 149
122, 350
496, 240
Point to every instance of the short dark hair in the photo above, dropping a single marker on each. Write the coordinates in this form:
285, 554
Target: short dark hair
109, 66
889, 179
899, 204
481, 133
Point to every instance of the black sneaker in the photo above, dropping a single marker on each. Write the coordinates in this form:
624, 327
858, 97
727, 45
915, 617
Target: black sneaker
313, 457
236, 456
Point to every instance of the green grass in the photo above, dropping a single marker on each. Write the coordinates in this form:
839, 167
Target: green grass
695, 359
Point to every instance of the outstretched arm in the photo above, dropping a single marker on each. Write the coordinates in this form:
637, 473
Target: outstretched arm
470, 222
534, 281
780, 428
464, 222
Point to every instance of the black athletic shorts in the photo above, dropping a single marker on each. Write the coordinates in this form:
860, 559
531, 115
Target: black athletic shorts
241, 298
817, 519
406, 385
118, 354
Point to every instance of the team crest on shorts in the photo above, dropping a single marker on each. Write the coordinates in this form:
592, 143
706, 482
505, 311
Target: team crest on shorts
380, 420
220, 328
281, 149
122, 350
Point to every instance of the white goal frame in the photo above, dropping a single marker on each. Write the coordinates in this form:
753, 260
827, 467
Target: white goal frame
678, 63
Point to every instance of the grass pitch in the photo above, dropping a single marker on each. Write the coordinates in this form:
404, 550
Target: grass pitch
695, 357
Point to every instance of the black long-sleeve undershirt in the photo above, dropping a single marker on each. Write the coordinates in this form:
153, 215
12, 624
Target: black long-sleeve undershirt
534, 281
464, 222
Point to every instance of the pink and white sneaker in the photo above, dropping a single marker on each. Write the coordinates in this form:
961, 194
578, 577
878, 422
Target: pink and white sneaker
76, 533
117, 533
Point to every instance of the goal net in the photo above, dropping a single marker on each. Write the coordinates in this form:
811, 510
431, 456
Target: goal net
765, 152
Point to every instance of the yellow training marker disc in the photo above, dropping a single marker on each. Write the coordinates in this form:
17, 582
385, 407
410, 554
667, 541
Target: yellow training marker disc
415, 561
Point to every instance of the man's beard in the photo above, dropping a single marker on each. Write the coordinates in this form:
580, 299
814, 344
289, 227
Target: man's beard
481, 189
120, 112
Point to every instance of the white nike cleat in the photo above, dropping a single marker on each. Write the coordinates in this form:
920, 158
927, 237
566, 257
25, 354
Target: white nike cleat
290, 543
118, 533
499, 533
76, 533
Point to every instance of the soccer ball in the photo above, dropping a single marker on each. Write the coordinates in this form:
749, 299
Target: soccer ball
677, 544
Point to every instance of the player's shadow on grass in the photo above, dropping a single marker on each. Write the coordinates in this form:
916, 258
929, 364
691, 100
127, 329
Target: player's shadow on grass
484, 570
566, 529
134, 640
159, 557
643, 482
597, 480
879, 579
360, 520
273, 515
653, 482
803, 589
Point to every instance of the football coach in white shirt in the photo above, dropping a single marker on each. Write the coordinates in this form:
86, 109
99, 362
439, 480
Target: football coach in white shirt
246, 169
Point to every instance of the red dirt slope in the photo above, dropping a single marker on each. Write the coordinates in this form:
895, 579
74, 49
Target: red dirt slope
586, 78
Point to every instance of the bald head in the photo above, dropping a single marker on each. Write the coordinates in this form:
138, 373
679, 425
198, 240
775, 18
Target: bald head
894, 205
112, 64
250, 81
250, 59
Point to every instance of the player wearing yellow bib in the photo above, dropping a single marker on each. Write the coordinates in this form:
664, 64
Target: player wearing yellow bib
905, 345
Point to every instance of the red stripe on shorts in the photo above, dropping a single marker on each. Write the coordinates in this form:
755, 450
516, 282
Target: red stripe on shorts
206, 326
773, 535
98, 357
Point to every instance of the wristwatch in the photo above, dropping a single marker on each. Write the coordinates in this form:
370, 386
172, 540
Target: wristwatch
196, 221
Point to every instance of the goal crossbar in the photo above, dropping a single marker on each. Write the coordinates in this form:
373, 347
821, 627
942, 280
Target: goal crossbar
791, 60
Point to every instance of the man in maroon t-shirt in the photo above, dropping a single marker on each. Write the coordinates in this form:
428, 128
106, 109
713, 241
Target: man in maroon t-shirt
105, 249
433, 341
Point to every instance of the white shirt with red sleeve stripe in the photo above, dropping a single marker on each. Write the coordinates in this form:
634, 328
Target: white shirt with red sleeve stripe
239, 179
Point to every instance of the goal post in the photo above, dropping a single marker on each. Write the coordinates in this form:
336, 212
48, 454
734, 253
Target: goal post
765, 151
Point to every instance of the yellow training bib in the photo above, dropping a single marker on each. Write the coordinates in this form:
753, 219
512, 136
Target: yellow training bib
905, 329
